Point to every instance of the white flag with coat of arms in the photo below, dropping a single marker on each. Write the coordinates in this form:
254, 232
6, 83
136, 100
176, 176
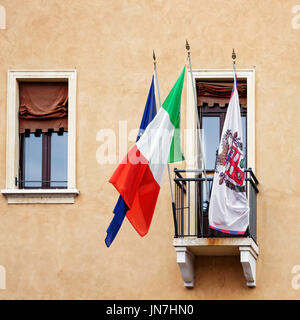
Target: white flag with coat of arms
228, 207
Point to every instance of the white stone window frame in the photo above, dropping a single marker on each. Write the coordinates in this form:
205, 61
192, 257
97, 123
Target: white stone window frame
12, 192
191, 120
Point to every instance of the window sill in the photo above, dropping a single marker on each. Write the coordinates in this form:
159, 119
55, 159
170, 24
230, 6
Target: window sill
21, 196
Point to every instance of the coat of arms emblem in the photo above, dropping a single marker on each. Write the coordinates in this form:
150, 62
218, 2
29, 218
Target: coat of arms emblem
230, 162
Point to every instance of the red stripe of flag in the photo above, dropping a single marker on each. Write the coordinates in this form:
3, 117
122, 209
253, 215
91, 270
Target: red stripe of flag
137, 186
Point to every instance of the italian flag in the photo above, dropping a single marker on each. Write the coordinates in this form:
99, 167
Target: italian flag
139, 176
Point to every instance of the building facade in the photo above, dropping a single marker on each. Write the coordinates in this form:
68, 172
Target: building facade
52, 236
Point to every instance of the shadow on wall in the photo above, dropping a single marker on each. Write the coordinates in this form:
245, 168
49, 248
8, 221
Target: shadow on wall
219, 272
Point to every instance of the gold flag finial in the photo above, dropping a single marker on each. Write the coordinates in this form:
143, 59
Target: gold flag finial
154, 57
187, 46
233, 56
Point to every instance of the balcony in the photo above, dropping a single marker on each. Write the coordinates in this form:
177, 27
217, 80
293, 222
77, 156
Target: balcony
193, 237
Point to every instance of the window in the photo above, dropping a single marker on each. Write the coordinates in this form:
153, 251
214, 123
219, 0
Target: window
43, 129
212, 120
40, 159
213, 99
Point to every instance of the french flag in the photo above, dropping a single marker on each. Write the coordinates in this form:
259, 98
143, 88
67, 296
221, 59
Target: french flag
138, 177
121, 208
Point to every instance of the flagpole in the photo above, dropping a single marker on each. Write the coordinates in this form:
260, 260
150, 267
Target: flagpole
187, 46
169, 173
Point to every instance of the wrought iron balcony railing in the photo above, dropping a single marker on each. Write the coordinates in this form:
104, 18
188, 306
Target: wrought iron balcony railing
190, 210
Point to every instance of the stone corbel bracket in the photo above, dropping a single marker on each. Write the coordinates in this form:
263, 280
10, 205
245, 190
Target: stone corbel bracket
185, 260
248, 257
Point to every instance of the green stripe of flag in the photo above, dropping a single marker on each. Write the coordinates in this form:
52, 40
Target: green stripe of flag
172, 106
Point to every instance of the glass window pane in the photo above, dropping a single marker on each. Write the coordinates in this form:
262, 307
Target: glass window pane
211, 128
33, 161
59, 160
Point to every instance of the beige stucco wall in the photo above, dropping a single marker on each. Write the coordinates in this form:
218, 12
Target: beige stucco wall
58, 251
